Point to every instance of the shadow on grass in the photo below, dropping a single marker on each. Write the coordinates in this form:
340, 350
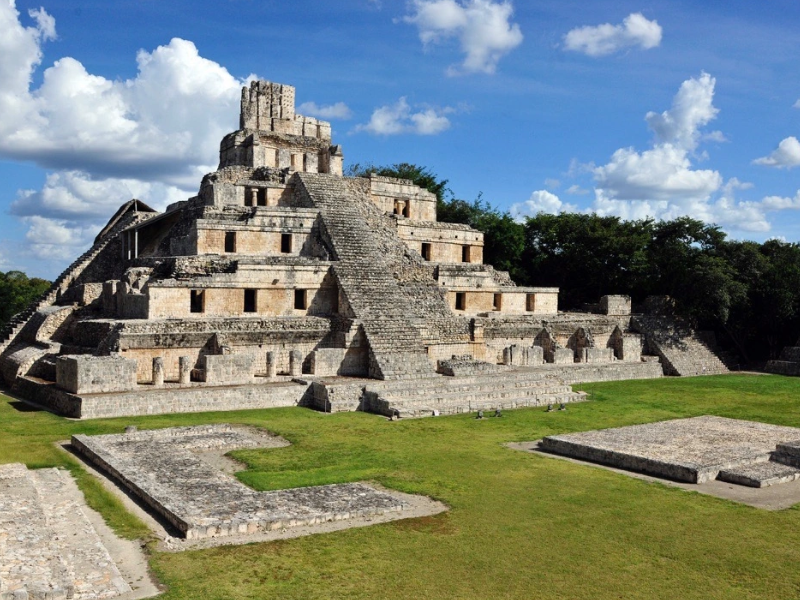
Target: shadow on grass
20, 406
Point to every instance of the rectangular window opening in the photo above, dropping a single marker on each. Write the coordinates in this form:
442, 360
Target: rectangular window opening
197, 301
498, 302
250, 301
300, 300
262, 196
461, 300
426, 251
530, 302
230, 241
248, 196
465, 254
286, 243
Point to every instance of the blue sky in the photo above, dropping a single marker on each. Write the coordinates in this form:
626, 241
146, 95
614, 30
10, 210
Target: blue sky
648, 108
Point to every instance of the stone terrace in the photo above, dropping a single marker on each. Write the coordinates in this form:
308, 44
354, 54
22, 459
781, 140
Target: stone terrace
48, 548
694, 450
163, 468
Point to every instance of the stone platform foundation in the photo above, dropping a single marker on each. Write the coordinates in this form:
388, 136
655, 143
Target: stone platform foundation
694, 450
164, 469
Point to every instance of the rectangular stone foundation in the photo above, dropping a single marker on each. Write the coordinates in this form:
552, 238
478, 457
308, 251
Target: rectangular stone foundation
693, 450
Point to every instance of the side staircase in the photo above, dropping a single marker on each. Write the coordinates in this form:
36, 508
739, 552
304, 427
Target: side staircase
682, 350
119, 222
70, 274
448, 396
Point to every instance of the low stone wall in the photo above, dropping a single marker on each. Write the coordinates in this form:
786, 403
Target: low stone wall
84, 374
614, 371
146, 400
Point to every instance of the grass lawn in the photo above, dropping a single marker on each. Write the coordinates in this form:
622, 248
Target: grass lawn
520, 525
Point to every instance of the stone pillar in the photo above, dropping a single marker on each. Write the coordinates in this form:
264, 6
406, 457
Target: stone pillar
184, 370
272, 368
508, 357
295, 363
158, 371
253, 196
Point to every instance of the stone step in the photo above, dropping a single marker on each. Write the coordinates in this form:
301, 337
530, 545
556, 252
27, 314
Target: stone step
466, 389
761, 474
426, 409
486, 397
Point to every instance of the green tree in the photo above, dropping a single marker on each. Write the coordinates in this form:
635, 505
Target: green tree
17, 291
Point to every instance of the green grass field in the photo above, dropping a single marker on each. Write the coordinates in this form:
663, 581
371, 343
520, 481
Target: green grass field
520, 525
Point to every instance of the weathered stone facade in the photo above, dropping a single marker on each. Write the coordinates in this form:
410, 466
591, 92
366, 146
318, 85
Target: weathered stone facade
280, 267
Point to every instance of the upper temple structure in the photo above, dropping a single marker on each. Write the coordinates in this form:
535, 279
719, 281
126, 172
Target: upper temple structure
283, 283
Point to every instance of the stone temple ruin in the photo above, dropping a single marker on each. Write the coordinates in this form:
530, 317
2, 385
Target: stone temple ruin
284, 283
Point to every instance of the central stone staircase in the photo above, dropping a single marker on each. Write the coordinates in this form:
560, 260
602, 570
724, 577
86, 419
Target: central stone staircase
448, 396
367, 258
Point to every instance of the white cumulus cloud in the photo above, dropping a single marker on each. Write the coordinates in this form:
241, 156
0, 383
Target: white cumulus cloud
662, 183
665, 171
601, 40
541, 201
105, 141
483, 29
400, 118
785, 156
338, 110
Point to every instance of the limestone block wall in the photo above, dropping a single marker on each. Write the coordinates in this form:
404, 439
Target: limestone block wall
445, 241
85, 374
386, 191
228, 369
263, 102
212, 238
279, 289
615, 305
241, 194
477, 350
219, 301
512, 301
351, 362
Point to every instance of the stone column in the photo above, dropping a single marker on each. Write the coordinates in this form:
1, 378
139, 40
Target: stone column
184, 370
158, 371
295, 363
272, 368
